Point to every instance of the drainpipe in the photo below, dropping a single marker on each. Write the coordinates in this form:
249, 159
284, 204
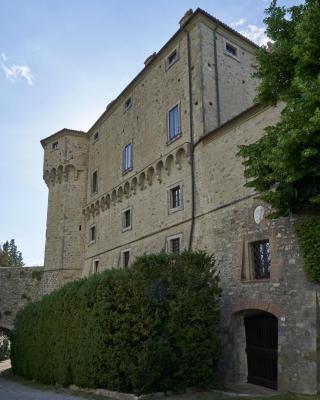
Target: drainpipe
192, 167
216, 73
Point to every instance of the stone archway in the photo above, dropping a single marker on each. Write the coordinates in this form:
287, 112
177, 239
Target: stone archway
254, 334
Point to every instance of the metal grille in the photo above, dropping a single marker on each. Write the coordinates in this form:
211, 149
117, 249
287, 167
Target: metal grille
175, 245
261, 259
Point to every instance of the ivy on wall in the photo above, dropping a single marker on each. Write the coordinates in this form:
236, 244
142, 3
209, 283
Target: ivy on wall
308, 233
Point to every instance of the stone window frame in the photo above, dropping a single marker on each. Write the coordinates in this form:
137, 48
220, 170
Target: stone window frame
92, 228
247, 264
126, 228
55, 146
127, 104
172, 210
122, 259
95, 265
130, 168
94, 190
169, 141
172, 237
226, 43
169, 64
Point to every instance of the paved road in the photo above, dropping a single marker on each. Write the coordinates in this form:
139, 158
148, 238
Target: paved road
10, 390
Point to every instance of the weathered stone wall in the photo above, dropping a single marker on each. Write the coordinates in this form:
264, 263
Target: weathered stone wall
18, 287
225, 226
157, 164
65, 172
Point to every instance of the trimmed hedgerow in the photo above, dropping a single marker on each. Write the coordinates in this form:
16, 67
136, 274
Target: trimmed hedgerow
308, 233
149, 328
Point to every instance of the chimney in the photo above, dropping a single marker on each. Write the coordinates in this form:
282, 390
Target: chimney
150, 58
186, 17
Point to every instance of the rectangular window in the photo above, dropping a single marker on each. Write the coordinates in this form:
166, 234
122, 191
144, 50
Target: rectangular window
261, 259
96, 136
172, 58
94, 182
175, 197
95, 266
231, 50
174, 123
174, 245
126, 219
92, 234
55, 146
127, 158
127, 104
125, 258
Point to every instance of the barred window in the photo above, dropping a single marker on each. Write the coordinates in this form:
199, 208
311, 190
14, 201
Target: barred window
174, 245
261, 259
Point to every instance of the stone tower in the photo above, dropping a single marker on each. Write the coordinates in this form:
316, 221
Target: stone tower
65, 173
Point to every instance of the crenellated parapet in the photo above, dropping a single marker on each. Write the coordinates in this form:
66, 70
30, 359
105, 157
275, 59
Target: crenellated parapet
150, 175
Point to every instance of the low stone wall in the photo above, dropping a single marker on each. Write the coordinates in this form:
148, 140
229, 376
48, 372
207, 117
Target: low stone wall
18, 287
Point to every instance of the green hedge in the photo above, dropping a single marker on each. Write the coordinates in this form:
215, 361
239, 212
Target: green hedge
308, 232
149, 328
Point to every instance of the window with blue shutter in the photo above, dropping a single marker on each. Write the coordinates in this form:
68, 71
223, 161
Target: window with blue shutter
127, 158
174, 123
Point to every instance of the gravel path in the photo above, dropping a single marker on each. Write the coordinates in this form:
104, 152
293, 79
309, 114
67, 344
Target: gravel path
11, 390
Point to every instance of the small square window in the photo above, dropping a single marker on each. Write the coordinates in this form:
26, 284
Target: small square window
94, 182
92, 234
175, 198
261, 259
55, 146
96, 136
127, 158
126, 219
231, 50
125, 258
127, 104
174, 123
172, 58
174, 245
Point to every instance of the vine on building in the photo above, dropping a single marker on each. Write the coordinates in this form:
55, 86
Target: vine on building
283, 166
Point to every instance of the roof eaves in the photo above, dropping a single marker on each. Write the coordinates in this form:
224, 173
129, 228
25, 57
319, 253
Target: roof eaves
62, 132
181, 29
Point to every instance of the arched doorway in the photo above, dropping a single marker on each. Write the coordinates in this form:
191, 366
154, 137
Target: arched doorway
261, 330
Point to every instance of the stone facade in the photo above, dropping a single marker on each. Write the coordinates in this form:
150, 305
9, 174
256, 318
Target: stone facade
18, 287
204, 69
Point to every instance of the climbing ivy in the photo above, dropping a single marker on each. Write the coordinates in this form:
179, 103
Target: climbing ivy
308, 232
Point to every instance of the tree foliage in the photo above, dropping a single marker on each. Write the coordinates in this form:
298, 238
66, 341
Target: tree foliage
149, 328
10, 256
284, 165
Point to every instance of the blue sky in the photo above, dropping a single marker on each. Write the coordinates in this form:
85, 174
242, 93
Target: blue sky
61, 63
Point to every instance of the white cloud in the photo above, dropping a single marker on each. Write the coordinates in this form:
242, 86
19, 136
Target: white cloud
256, 34
15, 72
3, 56
238, 23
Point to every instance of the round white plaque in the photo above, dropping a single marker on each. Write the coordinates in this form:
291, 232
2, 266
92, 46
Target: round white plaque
258, 214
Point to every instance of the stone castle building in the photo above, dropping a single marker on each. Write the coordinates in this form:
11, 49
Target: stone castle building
158, 171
